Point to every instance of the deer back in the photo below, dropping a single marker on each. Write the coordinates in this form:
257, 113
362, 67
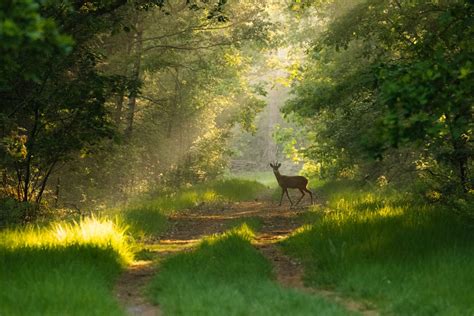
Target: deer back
292, 182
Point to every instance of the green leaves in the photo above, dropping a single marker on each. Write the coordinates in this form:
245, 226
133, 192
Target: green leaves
29, 38
411, 61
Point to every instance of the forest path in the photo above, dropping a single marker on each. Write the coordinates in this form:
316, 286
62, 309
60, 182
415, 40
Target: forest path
189, 227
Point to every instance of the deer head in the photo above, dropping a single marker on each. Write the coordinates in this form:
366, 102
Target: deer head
275, 166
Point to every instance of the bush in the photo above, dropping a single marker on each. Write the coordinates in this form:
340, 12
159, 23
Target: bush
12, 211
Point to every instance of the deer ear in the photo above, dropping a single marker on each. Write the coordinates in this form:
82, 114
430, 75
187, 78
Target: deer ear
279, 165
271, 165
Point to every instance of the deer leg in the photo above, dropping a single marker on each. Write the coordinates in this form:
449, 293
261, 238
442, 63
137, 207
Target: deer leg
302, 195
310, 194
291, 202
281, 198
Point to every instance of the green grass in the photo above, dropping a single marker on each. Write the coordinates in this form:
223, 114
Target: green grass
235, 190
266, 178
255, 223
409, 258
69, 268
149, 218
225, 275
62, 269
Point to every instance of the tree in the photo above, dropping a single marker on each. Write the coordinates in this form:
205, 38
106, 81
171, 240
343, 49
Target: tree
55, 89
189, 89
44, 121
395, 74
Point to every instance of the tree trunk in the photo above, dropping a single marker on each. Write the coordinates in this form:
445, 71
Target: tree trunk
175, 106
121, 96
132, 98
29, 156
463, 175
461, 154
45, 181
119, 109
461, 158
18, 184
56, 195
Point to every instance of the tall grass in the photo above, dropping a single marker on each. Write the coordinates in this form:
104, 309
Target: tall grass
62, 269
148, 218
409, 257
227, 276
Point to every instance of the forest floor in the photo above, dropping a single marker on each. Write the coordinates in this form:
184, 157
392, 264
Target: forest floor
189, 227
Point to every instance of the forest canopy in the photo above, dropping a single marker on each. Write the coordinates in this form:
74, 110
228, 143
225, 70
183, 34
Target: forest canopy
102, 100
387, 90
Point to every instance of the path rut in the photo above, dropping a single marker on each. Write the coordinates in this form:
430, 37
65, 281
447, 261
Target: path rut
188, 227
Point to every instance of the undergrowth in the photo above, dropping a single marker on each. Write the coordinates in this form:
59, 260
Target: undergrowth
409, 257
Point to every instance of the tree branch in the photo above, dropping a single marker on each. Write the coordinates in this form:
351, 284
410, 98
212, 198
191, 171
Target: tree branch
189, 48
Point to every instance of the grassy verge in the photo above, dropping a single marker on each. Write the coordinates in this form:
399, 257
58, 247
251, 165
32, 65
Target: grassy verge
410, 258
62, 269
225, 275
149, 218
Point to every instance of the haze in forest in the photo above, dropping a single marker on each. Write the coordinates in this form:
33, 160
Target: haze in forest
106, 101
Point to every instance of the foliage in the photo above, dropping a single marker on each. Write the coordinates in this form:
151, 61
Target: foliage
387, 247
13, 212
391, 74
225, 274
25, 32
205, 160
192, 88
53, 96
106, 99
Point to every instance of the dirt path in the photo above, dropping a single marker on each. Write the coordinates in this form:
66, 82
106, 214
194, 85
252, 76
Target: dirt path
187, 228
131, 286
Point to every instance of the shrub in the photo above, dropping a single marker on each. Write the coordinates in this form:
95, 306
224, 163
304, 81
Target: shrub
12, 211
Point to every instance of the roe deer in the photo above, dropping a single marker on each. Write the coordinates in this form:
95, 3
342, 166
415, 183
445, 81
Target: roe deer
291, 182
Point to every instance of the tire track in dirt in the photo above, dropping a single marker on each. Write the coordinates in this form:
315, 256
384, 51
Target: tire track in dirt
130, 289
186, 230
188, 227
289, 272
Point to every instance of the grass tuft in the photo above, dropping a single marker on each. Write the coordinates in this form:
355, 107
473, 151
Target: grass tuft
255, 223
